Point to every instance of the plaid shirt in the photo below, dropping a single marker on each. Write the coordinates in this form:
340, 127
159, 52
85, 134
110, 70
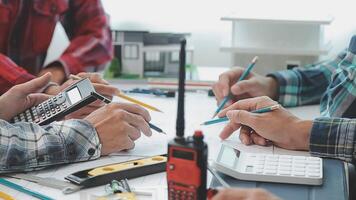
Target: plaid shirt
331, 83
27, 146
26, 30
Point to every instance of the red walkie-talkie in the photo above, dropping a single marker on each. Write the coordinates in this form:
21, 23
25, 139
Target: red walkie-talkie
187, 157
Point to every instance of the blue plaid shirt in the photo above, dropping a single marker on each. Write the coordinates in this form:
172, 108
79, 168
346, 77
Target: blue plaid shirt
27, 146
332, 83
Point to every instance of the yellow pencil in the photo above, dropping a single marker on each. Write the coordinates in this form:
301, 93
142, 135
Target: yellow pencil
123, 96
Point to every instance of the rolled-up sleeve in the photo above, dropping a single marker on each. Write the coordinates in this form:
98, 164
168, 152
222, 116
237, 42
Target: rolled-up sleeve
27, 146
334, 137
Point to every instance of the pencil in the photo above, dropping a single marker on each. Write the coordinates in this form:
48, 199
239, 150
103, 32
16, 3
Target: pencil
123, 96
224, 119
24, 190
242, 77
106, 100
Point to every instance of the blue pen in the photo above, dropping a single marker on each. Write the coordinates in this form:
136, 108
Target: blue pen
24, 190
242, 77
224, 119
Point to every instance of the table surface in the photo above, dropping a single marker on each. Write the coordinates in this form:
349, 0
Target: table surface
199, 107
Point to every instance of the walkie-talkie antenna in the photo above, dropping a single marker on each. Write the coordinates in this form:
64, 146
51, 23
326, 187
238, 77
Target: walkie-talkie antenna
181, 90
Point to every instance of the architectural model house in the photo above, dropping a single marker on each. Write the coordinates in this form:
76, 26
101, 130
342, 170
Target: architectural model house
149, 54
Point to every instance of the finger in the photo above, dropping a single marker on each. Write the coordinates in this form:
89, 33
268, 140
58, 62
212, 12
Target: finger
225, 82
138, 122
236, 194
37, 98
132, 132
242, 117
127, 144
136, 109
229, 129
93, 77
245, 135
249, 104
242, 87
106, 90
37, 84
258, 139
217, 93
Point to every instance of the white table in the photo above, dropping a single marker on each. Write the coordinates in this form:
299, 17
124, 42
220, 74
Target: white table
199, 107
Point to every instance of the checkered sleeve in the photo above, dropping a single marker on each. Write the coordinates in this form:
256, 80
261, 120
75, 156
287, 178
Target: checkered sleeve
303, 86
334, 137
28, 146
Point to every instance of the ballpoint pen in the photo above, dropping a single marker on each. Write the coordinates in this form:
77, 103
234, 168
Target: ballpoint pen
224, 119
242, 77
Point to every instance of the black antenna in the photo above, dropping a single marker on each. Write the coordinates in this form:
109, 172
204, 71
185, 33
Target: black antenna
181, 90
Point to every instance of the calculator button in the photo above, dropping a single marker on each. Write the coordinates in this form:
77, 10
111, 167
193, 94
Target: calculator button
259, 170
298, 158
298, 173
270, 171
313, 174
284, 168
285, 157
269, 163
297, 169
284, 172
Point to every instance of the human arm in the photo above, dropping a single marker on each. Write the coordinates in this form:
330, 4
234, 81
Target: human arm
11, 74
324, 136
113, 128
299, 86
244, 194
90, 39
27, 146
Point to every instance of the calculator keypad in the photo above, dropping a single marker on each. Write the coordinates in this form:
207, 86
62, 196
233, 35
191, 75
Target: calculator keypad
284, 165
44, 110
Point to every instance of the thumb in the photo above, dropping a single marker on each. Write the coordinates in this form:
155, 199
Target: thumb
37, 98
37, 84
242, 117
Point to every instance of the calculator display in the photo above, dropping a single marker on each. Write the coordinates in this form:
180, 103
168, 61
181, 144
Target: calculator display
74, 95
229, 156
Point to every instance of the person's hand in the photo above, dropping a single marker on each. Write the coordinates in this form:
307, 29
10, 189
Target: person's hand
23, 96
244, 194
100, 85
57, 71
118, 125
279, 126
253, 86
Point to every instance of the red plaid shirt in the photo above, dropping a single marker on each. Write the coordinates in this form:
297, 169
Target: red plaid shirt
26, 30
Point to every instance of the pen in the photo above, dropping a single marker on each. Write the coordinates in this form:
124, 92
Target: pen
106, 100
242, 77
224, 119
24, 190
123, 96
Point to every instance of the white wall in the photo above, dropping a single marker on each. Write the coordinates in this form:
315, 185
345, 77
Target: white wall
202, 19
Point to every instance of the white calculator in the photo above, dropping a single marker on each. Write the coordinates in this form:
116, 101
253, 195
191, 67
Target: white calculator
269, 167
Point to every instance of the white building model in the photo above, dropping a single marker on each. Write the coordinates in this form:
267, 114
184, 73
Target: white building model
149, 54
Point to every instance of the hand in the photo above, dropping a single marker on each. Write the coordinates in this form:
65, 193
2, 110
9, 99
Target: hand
23, 96
57, 71
119, 125
253, 86
244, 194
279, 126
102, 87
